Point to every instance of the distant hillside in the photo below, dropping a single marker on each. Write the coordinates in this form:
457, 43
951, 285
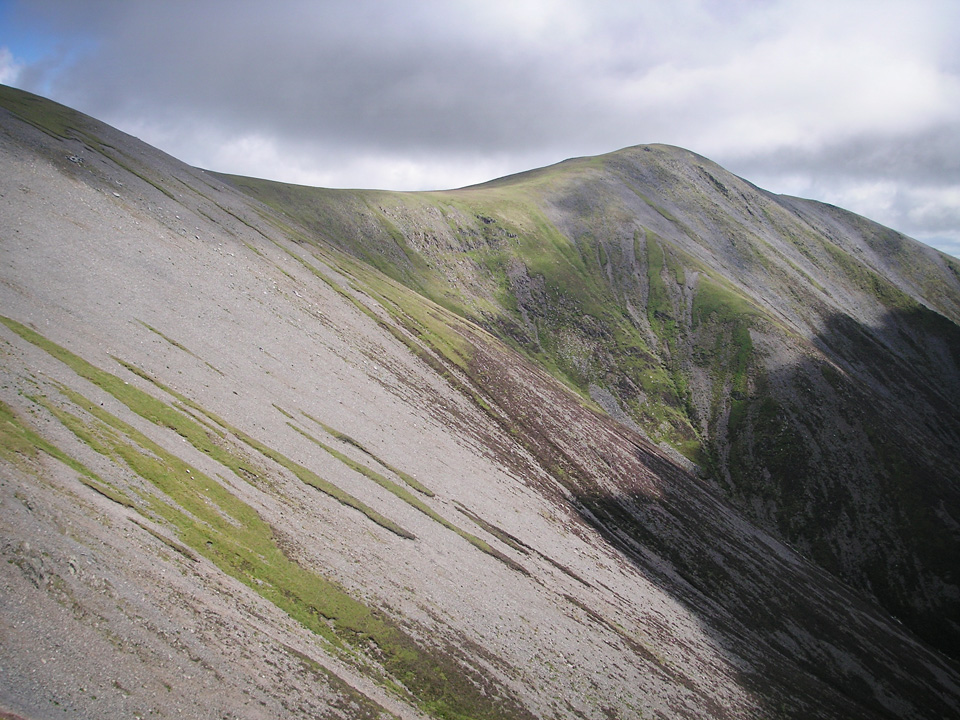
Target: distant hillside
805, 358
624, 437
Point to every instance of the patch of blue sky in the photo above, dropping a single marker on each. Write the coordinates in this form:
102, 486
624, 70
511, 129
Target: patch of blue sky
32, 54
26, 44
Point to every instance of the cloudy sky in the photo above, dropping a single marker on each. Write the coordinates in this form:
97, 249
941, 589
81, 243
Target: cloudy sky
852, 102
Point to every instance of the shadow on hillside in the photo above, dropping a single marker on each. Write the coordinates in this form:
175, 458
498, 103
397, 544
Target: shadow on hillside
856, 462
799, 642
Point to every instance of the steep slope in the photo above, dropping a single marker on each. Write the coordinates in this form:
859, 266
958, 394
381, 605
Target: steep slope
245, 474
807, 359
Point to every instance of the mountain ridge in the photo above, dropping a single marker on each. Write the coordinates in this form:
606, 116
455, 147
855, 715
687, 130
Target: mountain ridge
560, 564
806, 283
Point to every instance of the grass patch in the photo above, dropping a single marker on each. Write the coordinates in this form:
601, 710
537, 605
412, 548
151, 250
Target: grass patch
501, 535
47, 116
348, 700
19, 443
301, 472
170, 340
213, 523
660, 310
175, 546
179, 346
343, 437
310, 478
542, 293
164, 415
868, 281
411, 500
726, 316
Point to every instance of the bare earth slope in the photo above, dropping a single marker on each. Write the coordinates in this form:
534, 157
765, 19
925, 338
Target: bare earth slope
243, 474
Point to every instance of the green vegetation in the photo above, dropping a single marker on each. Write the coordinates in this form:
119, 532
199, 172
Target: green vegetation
213, 523
310, 478
63, 123
343, 437
170, 340
410, 499
433, 324
666, 214
726, 347
179, 346
210, 519
52, 118
197, 435
574, 323
717, 301
578, 302
501, 535
173, 545
660, 310
868, 281
348, 700
304, 474
20, 444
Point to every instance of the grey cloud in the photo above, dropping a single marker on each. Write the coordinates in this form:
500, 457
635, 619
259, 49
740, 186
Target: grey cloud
397, 81
908, 181
764, 88
930, 156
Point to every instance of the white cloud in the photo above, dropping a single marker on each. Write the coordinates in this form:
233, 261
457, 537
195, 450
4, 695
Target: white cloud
928, 213
935, 208
265, 156
9, 68
317, 164
800, 84
949, 244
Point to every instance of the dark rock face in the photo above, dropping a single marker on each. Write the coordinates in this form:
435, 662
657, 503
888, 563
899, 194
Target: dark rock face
341, 453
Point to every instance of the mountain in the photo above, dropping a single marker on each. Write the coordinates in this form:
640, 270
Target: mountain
623, 437
805, 359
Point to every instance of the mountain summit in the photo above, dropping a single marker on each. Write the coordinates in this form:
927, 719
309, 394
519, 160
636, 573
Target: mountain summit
806, 360
622, 437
